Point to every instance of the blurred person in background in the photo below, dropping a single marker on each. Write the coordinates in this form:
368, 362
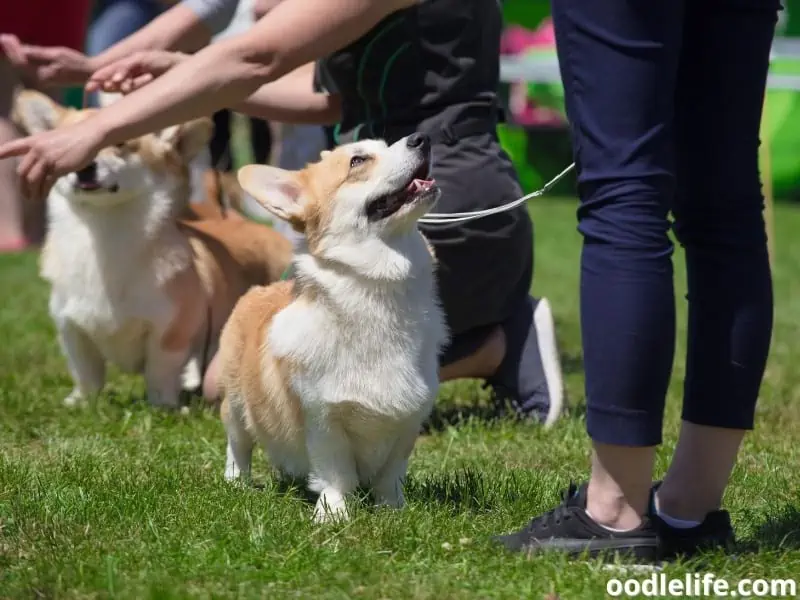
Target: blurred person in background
48, 23
114, 20
122, 27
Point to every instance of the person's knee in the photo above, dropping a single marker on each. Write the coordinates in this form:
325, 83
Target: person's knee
628, 216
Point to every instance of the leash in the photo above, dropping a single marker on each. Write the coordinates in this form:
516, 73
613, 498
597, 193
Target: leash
462, 217
445, 218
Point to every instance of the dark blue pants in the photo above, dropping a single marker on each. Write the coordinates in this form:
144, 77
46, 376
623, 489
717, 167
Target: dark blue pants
664, 99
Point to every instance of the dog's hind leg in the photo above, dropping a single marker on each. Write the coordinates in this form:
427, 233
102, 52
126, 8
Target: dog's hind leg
334, 473
86, 364
240, 444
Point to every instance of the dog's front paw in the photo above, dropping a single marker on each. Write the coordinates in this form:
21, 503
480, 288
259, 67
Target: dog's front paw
75, 398
191, 377
330, 507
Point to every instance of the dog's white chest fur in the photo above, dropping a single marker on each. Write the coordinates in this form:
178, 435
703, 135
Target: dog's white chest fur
367, 342
100, 262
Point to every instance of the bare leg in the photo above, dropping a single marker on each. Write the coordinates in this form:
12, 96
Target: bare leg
482, 363
12, 235
699, 472
210, 380
619, 487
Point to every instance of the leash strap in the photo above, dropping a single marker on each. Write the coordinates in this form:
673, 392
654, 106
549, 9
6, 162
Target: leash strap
447, 218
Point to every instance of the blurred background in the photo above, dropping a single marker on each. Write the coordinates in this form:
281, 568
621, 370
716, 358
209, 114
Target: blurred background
535, 133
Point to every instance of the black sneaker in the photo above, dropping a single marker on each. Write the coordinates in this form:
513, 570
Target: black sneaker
568, 528
714, 533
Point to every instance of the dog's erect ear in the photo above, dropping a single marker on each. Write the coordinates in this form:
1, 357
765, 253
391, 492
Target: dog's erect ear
189, 139
277, 190
35, 112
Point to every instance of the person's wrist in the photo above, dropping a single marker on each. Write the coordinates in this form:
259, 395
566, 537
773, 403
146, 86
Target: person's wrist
92, 64
102, 130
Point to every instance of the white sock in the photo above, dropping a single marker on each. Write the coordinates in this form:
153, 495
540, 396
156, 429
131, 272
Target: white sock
672, 521
606, 526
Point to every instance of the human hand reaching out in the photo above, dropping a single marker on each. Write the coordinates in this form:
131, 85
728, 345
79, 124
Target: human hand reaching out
47, 156
131, 73
46, 65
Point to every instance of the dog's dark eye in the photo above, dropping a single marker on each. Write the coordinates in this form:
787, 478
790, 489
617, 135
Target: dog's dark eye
357, 160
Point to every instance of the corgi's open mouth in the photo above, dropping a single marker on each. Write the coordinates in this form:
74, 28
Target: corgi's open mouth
91, 187
88, 183
419, 186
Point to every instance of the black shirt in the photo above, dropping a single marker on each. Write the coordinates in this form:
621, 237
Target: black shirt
420, 68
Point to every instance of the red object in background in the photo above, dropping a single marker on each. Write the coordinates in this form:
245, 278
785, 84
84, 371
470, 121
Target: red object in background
47, 22
516, 39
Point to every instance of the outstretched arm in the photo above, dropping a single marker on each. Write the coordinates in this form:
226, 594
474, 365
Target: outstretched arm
187, 26
292, 99
182, 28
294, 33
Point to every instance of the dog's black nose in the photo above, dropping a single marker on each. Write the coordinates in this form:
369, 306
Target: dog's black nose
88, 174
418, 141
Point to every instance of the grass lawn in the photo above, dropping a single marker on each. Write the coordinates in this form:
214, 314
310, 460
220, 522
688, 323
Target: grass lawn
118, 500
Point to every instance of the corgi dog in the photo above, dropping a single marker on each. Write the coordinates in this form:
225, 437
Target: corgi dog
138, 278
333, 372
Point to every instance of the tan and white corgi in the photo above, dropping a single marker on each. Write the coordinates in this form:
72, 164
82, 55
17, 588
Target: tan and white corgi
137, 277
334, 372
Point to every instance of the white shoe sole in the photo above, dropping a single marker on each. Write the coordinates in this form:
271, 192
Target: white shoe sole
551, 363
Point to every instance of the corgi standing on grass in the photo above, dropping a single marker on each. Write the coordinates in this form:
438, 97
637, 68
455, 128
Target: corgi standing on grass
138, 277
333, 373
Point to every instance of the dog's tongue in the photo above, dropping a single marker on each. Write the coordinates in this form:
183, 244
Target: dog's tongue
420, 185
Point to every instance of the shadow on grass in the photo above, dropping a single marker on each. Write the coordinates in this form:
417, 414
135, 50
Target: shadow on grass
443, 417
465, 490
778, 532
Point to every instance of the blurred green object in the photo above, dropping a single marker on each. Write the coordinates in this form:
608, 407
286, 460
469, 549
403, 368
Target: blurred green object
73, 97
538, 153
528, 13
781, 130
514, 141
